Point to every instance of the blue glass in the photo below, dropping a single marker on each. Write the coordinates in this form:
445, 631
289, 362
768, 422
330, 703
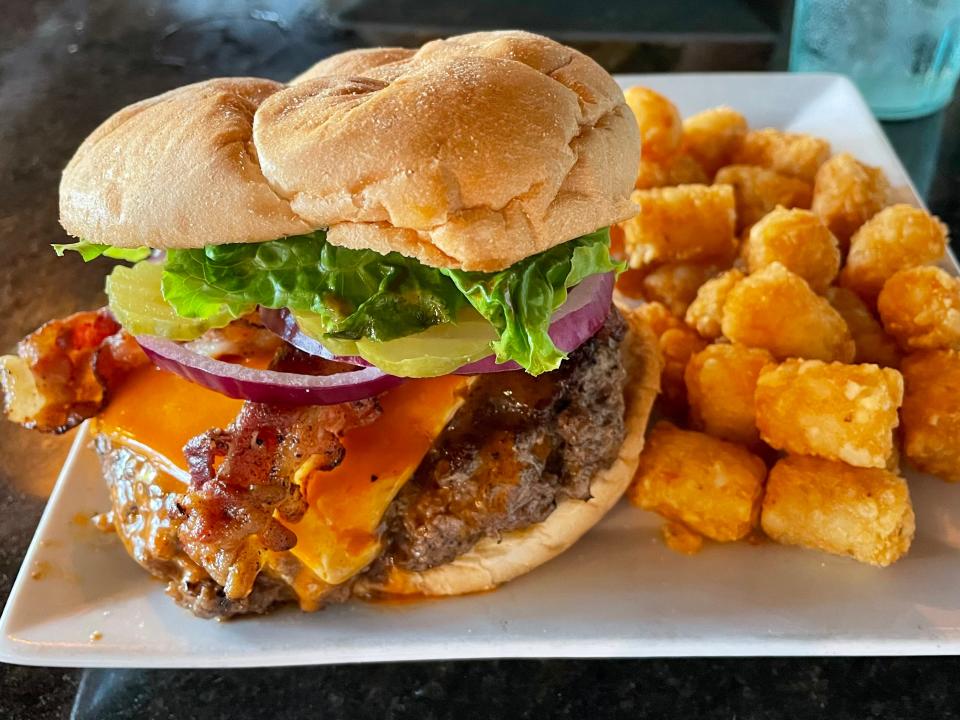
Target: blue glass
904, 55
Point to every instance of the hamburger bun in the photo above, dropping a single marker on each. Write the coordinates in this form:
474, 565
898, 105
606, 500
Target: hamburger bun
492, 561
473, 152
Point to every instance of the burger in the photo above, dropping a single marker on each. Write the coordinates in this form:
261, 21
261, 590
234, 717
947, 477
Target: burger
362, 338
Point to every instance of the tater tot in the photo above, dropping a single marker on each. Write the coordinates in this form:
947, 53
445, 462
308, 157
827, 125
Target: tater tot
831, 410
847, 193
896, 238
676, 284
686, 222
711, 486
799, 241
824, 505
872, 343
721, 382
920, 307
676, 343
658, 317
705, 313
661, 128
758, 190
679, 169
775, 309
677, 346
793, 154
931, 412
712, 136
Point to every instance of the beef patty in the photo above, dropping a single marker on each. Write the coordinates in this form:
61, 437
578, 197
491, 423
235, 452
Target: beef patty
516, 448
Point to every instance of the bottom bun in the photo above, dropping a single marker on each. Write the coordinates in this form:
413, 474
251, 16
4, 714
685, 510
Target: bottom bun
494, 561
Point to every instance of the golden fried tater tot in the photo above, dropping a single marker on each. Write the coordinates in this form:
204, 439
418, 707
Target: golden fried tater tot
661, 128
759, 190
799, 241
677, 343
830, 506
831, 410
920, 307
847, 193
705, 313
713, 135
721, 382
658, 317
776, 309
711, 486
686, 222
679, 169
931, 412
792, 154
676, 284
896, 238
873, 344
677, 346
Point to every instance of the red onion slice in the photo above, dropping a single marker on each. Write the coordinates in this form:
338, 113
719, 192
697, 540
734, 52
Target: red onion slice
576, 321
266, 386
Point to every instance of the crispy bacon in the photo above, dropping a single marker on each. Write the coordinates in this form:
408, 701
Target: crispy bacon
63, 372
242, 475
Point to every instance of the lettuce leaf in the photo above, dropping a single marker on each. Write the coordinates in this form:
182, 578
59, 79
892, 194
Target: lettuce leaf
91, 251
361, 295
520, 300
354, 293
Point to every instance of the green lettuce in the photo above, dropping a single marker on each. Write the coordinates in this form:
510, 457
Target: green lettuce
90, 251
354, 293
520, 300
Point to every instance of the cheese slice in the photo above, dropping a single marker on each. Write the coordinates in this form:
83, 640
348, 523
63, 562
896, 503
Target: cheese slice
155, 413
338, 536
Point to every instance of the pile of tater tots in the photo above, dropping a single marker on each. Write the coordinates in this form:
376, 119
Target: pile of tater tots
810, 343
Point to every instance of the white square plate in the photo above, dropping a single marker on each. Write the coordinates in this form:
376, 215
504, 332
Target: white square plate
619, 592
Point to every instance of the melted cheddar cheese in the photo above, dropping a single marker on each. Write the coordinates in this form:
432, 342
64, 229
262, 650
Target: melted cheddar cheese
155, 413
338, 537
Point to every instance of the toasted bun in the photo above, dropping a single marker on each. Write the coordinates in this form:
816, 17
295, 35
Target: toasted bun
492, 562
473, 152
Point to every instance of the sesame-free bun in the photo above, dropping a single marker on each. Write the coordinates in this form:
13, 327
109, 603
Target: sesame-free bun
494, 561
354, 62
472, 152
177, 170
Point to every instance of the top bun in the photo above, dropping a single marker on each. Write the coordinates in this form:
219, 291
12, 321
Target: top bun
472, 152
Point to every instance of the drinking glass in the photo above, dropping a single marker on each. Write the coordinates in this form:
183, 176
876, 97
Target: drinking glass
904, 55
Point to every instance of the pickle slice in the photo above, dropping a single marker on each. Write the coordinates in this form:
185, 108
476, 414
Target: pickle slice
438, 350
136, 301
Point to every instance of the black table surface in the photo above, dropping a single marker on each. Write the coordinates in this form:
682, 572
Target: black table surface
67, 64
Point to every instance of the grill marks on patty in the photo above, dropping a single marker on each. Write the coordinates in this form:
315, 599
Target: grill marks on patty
517, 447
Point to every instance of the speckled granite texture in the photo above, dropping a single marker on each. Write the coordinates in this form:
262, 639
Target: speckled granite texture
64, 66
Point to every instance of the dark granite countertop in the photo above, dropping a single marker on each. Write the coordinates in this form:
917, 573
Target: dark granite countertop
64, 66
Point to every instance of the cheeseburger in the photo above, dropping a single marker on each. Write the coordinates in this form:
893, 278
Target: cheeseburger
362, 340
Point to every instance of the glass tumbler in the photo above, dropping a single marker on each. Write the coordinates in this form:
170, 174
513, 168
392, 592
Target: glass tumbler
904, 55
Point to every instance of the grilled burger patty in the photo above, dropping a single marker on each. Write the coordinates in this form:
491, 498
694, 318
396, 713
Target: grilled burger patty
517, 447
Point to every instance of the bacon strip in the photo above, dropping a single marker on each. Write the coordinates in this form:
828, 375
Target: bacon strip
241, 475
63, 372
